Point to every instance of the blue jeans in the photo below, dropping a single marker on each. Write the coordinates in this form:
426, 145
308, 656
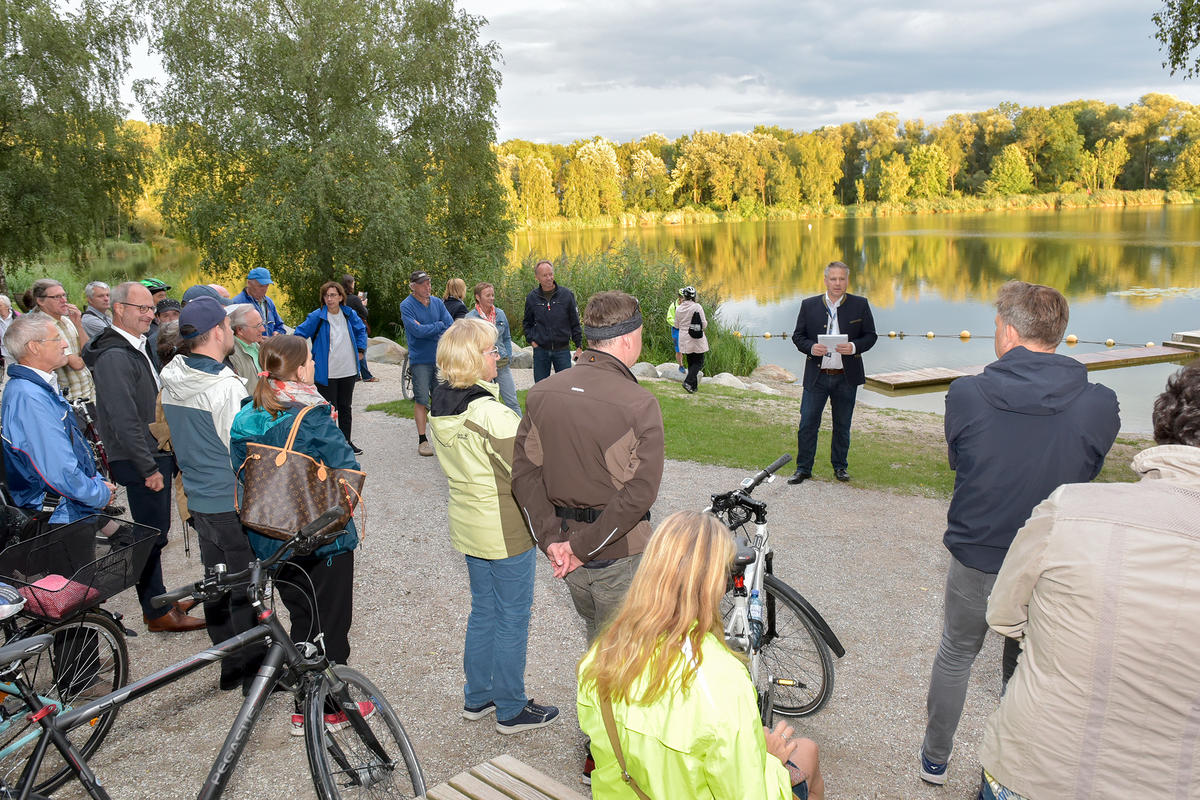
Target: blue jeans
364, 371
543, 359
508, 389
498, 631
840, 393
424, 376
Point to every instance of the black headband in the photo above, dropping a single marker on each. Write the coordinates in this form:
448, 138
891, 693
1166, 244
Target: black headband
613, 331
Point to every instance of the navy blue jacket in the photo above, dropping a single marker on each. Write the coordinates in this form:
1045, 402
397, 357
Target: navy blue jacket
316, 327
854, 320
1027, 424
552, 323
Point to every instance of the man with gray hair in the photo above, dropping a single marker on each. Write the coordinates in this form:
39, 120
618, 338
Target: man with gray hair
96, 317
248, 333
1027, 424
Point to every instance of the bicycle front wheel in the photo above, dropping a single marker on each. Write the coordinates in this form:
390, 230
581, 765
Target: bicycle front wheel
793, 649
88, 659
406, 389
370, 756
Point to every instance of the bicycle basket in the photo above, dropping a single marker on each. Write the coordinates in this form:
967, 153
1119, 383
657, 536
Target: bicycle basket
77, 566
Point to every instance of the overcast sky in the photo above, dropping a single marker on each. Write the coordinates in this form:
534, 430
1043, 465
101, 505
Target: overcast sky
624, 68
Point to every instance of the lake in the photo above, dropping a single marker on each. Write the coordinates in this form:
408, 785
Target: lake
1132, 275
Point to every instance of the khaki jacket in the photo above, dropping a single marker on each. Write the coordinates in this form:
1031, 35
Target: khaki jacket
591, 437
1102, 586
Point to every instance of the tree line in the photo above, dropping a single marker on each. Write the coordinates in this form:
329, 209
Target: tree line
1080, 146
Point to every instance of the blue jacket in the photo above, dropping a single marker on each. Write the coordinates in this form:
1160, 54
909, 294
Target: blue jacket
1027, 424
316, 327
267, 309
423, 326
503, 334
552, 323
44, 449
318, 437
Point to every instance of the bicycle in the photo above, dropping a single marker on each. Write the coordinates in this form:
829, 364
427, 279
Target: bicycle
406, 386
359, 750
786, 641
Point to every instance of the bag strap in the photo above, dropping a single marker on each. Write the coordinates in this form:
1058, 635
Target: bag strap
611, 727
296, 427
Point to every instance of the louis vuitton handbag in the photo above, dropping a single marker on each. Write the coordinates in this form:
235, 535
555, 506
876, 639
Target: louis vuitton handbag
285, 489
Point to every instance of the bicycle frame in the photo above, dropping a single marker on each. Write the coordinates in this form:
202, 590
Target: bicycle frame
12, 689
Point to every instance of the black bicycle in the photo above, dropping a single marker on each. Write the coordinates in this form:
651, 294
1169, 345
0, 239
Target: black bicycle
355, 743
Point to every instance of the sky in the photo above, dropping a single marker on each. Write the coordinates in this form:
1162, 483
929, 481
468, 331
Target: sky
623, 68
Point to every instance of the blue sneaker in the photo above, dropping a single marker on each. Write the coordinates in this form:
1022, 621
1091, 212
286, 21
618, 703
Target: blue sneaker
932, 772
531, 716
682, 370
479, 712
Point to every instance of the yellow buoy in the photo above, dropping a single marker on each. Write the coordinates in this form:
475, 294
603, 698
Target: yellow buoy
1149, 344
1109, 342
737, 334
891, 334
767, 335
1072, 339
964, 335
929, 334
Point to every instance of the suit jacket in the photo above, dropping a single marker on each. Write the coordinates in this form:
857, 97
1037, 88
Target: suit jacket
854, 320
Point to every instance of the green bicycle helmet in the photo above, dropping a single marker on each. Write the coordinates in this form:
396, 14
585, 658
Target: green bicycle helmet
155, 285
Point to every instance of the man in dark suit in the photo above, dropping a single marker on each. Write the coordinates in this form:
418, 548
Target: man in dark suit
832, 375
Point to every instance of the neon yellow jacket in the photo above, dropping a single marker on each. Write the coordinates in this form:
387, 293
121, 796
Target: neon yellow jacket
705, 743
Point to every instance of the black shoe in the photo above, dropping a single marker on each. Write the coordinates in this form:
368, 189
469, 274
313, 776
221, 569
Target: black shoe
799, 476
841, 475
357, 450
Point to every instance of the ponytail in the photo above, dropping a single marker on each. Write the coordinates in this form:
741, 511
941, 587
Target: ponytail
280, 357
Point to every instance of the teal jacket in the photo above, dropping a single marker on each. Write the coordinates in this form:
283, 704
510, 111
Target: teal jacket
706, 742
318, 437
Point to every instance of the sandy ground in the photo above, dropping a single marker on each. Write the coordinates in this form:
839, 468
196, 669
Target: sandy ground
872, 562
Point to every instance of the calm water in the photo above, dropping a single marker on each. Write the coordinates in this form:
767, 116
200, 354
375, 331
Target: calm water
1132, 275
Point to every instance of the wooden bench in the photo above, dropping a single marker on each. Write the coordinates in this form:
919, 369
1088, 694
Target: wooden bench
502, 778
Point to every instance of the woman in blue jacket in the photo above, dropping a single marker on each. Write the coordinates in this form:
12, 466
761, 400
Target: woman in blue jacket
267, 418
486, 309
339, 340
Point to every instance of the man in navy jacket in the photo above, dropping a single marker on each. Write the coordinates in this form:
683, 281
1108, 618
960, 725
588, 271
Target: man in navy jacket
551, 323
831, 375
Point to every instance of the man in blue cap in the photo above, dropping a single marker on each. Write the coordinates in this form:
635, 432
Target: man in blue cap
255, 293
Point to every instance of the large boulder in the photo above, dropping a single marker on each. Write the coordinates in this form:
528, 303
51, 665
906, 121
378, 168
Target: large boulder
382, 350
522, 358
670, 371
727, 379
644, 369
772, 372
761, 387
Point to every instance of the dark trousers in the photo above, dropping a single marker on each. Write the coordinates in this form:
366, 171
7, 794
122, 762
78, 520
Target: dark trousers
340, 394
544, 359
331, 579
840, 393
152, 509
223, 541
695, 362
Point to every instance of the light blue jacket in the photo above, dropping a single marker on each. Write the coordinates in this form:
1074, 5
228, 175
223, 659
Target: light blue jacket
316, 327
503, 333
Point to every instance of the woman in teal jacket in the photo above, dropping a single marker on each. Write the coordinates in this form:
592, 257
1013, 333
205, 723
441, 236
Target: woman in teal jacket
473, 435
684, 709
284, 389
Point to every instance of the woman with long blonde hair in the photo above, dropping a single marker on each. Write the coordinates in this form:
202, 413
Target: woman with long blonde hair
684, 709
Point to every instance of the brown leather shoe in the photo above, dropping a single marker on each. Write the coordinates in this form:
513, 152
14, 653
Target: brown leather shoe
184, 606
174, 622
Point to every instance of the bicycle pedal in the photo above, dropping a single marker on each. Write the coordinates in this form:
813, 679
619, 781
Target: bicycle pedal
789, 683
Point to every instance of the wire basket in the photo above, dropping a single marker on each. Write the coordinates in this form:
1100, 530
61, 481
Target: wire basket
77, 566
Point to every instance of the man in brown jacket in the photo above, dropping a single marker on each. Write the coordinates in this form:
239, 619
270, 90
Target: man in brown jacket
588, 462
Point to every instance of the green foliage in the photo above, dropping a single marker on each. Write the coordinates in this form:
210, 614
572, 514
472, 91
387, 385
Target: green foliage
1010, 173
315, 138
930, 170
537, 190
68, 166
1178, 32
593, 185
894, 179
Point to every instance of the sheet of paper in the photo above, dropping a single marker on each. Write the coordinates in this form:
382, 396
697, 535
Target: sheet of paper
832, 340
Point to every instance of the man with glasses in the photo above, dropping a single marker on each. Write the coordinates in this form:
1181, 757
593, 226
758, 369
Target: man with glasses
45, 455
74, 379
248, 333
127, 386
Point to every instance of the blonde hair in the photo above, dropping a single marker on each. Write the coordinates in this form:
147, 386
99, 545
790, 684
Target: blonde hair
460, 351
673, 603
455, 287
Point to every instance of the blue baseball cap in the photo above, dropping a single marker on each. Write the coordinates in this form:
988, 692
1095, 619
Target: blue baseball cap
260, 274
200, 316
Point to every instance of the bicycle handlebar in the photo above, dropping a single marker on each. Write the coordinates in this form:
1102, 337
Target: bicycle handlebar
310, 531
768, 472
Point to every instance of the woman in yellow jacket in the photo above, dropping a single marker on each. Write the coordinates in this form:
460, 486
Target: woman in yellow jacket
684, 711
473, 434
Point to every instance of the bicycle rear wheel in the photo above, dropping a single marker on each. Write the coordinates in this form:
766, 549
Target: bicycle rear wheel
406, 389
88, 659
377, 761
793, 649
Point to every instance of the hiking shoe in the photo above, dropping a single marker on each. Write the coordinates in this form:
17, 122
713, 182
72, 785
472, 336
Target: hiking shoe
532, 716
932, 772
425, 448
335, 721
479, 712
589, 764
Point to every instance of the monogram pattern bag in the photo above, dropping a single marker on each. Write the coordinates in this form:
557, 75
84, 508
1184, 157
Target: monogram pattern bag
285, 489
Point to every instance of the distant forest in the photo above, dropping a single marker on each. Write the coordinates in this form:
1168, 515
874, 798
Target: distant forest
1079, 150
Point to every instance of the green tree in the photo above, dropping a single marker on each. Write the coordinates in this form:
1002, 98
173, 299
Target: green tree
955, 137
648, 186
315, 137
1010, 173
1185, 173
537, 190
818, 159
506, 168
593, 185
1178, 32
67, 163
895, 182
1110, 160
930, 170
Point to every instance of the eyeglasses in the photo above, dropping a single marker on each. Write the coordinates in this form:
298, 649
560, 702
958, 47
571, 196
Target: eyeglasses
53, 296
495, 351
143, 309
51, 339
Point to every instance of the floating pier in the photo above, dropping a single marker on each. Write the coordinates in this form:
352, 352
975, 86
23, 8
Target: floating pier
1183, 346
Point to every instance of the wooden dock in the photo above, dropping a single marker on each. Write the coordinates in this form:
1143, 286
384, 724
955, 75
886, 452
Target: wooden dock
502, 778
934, 377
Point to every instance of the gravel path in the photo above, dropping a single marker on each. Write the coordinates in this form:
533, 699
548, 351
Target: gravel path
871, 562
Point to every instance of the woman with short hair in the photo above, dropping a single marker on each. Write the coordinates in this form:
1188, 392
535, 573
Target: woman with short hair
473, 435
339, 340
684, 710
487, 310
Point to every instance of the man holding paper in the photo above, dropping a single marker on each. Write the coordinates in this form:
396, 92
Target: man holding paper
834, 330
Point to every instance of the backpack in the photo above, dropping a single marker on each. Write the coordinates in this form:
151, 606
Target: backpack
696, 328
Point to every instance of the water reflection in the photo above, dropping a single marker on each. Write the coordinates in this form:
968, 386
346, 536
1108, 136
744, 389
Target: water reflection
1130, 274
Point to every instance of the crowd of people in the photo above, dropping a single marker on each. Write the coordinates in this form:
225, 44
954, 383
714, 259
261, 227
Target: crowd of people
1089, 583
